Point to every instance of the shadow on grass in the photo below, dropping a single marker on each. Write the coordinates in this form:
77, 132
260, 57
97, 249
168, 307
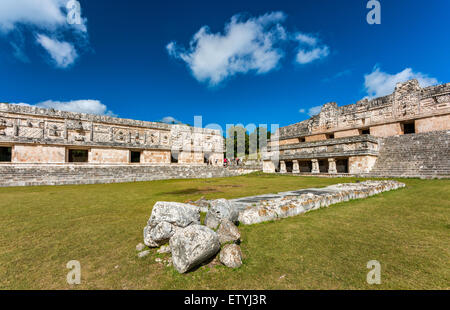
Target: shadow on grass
191, 191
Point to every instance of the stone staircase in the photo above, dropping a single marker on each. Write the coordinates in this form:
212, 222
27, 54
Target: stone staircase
425, 155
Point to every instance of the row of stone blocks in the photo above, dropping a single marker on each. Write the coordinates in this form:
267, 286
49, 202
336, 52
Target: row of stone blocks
30, 175
268, 208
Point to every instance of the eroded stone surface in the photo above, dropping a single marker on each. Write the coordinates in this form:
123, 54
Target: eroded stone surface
228, 232
192, 246
231, 256
166, 219
296, 202
220, 209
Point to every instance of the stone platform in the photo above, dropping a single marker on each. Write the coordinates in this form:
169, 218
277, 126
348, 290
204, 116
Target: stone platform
262, 208
64, 174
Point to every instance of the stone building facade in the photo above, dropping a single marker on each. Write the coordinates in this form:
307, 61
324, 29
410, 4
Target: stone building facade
32, 135
347, 139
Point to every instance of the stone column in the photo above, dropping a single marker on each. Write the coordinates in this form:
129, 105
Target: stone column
282, 167
315, 166
332, 166
295, 167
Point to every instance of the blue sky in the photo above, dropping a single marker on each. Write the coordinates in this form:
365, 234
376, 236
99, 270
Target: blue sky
272, 63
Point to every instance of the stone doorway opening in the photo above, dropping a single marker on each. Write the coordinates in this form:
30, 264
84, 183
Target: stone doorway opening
174, 157
135, 157
78, 156
342, 165
323, 166
305, 166
206, 157
408, 128
289, 166
5, 154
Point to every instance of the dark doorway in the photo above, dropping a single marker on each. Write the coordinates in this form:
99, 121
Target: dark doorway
78, 156
135, 157
330, 136
174, 157
289, 166
5, 154
409, 128
305, 166
365, 131
342, 165
206, 157
323, 166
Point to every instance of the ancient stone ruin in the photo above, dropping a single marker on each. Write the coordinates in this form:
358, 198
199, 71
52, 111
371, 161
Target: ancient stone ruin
405, 134
43, 146
191, 244
402, 134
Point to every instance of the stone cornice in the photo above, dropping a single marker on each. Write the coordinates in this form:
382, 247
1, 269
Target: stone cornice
346, 140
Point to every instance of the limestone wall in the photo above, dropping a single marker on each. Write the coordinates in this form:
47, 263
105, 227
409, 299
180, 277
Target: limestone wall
107, 155
347, 133
361, 164
43, 136
386, 130
434, 123
38, 154
155, 157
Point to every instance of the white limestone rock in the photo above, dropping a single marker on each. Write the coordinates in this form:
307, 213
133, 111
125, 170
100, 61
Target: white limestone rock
228, 232
192, 246
166, 219
178, 214
220, 209
159, 234
253, 215
231, 256
292, 205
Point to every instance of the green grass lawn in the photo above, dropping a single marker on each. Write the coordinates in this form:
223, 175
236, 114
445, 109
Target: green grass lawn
407, 231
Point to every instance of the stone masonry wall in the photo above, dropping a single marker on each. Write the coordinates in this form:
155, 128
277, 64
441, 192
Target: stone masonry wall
27, 175
40, 135
408, 102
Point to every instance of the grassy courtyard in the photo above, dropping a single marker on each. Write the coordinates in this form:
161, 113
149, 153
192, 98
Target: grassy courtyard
407, 231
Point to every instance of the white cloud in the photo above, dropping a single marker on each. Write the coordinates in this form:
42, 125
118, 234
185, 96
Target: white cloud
43, 14
79, 106
170, 120
63, 53
306, 38
379, 83
46, 19
304, 57
246, 45
312, 111
309, 49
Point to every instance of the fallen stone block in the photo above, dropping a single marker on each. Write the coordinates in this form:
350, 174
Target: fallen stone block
220, 209
166, 219
231, 256
192, 246
228, 232
293, 203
